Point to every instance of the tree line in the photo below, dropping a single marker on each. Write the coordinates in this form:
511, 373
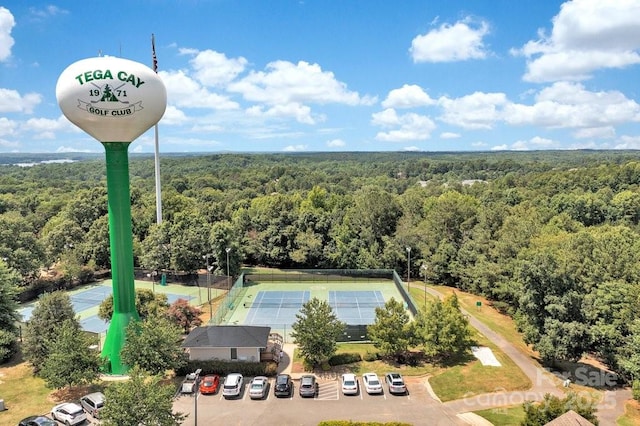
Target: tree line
549, 237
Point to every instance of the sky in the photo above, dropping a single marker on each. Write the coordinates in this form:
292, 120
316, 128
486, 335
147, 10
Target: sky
337, 75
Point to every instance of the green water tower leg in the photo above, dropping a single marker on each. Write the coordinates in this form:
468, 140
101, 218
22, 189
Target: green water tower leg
121, 244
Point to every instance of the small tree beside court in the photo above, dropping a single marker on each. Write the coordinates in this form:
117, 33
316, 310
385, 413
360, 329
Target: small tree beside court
316, 331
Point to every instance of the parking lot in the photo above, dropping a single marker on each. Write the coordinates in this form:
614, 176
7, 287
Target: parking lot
330, 404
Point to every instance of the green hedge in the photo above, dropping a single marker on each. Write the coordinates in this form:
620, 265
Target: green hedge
345, 358
223, 368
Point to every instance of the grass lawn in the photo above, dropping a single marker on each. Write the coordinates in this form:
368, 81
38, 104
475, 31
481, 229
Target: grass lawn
506, 416
24, 395
631, 415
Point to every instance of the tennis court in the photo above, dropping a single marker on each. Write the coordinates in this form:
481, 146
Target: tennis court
275, 304
86, 301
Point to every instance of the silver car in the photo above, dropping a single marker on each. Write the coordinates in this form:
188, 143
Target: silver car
93, 403
258, 387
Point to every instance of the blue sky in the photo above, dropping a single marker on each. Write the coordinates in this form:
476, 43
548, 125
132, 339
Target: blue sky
338, 75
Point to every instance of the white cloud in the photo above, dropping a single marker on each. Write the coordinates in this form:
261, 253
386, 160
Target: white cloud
570, 105
284, 82
7, 127
63, 149
184, 91
408, 96
502, 147
36, 14
628, 142
336, 143
412, 148
587, 35
12, 101
7, 22
449, 135
408, 127
295, 148
606, 132
173, 116
215, 69
458, 42
476, 111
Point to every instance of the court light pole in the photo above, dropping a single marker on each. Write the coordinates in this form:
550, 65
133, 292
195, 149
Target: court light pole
424, 273
206, 256
408, 267
228, 249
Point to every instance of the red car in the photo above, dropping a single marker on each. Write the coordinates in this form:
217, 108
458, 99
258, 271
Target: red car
209, 384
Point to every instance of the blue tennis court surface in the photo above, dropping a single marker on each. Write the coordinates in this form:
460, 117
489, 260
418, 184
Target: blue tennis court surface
356, 307
91, 298
281, 307
278, 307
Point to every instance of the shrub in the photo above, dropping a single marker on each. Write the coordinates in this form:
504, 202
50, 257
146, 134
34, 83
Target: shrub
222, 368
345, 358
371, 356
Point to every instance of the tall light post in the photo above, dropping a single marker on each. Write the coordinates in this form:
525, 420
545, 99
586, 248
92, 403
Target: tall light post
424, 273
228, 249
408, 267
206, 256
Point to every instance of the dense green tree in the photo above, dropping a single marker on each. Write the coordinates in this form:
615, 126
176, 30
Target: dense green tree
8, 345
19, 245
189, 235
71, 361
153, 344
443, 330
552, 407
148, 304
392, 332
43, 328
316, 331
9, 280
142, 400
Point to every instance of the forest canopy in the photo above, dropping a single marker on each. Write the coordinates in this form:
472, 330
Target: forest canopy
550, 237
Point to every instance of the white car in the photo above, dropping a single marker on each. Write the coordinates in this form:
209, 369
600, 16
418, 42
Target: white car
258, 387
69, 413
349, 384
232, 386
371, 383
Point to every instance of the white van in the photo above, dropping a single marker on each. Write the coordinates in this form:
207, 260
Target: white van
232, 385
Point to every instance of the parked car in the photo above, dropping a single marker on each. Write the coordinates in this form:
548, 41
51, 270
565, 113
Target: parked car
69, 413
371, 383
210, 384
395, 382
258, 387
37, 421
93, 403
308, 386
349, 384
232, 386
283, 386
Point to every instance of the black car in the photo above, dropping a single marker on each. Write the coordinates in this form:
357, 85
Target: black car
37, 421
284, 385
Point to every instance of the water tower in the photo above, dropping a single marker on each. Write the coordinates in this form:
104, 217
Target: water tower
114, 100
